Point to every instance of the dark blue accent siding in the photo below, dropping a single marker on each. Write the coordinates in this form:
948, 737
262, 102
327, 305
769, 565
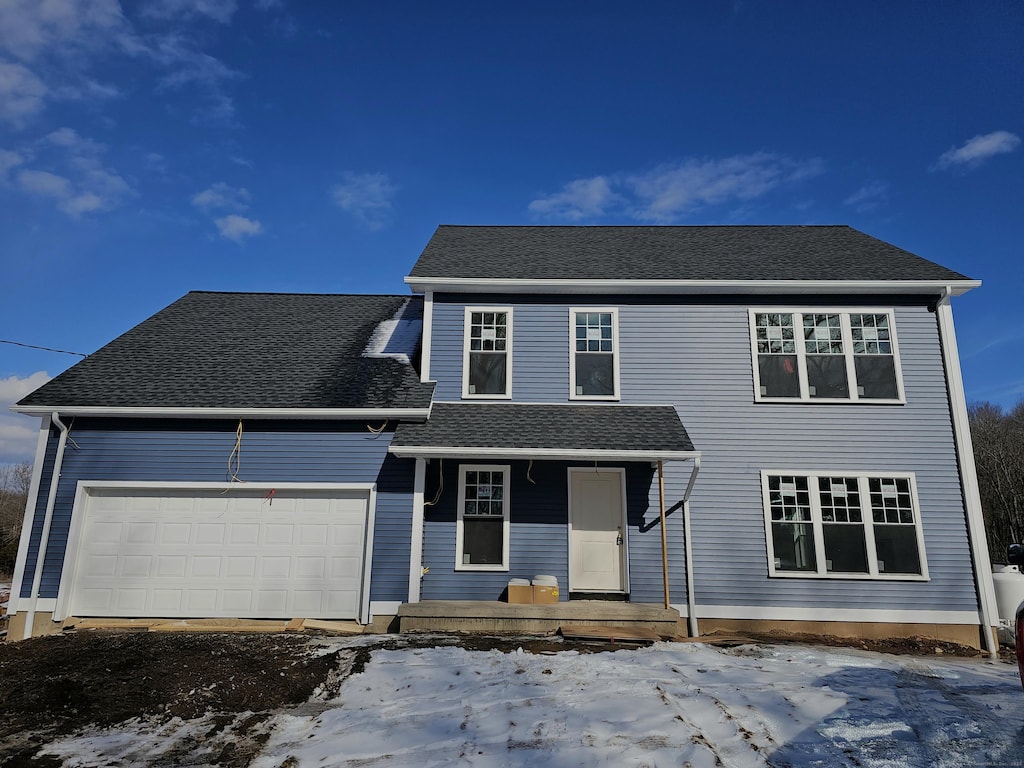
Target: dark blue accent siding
198, 451
539, 536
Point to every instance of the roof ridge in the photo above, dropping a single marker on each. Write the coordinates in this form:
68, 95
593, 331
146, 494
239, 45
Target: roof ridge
301, 293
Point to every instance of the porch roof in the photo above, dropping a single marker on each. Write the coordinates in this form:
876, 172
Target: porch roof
563, 431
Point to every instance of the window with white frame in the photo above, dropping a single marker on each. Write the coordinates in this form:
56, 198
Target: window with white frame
593, 345
482, 530
487, 362
825, 355
843, 525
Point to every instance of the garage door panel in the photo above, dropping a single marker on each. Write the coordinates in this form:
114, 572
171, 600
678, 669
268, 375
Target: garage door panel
191, 553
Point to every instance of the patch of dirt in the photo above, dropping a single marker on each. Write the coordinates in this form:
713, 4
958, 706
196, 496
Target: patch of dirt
59, 684
914, 646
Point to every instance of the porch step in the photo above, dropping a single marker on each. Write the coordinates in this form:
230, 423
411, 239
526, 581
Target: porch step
493, 616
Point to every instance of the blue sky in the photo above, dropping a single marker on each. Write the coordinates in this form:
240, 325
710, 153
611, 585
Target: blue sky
155, 147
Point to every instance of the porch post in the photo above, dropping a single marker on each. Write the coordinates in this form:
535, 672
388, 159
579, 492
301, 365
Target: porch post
664, 537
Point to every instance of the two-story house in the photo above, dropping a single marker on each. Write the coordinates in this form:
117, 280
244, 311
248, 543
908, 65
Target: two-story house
765, 423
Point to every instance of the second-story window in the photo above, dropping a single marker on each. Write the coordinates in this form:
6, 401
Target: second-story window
594, 364
487, 368
825, 356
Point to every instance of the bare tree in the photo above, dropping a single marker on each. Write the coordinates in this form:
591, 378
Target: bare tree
998, 438
15, 480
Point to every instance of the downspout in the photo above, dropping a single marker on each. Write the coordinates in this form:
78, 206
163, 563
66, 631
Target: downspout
664, 535
44, 537
968, 471
691, 599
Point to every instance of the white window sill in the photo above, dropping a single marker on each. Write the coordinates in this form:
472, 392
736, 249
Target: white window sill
468, 396
826, 401
461, 567
847, 576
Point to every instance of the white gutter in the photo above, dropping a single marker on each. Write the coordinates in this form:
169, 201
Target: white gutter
31, 502
44, 536
968, 472
626, 286
350, 414
547, 454
691, 599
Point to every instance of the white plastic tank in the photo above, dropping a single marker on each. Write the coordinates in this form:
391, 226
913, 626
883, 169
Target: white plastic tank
1009, 584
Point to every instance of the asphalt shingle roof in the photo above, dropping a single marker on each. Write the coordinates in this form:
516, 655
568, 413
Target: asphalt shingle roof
507, 425
670, 253
248, 350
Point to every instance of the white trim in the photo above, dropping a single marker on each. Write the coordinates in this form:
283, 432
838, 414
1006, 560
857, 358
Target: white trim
866, 527
466, 323
506, 471
624, 551
848, 355
553, 454
628, 286
968, 471
384, 608
828, 613
351, 414
427, 337
43, 605
416, 538
30, 512
72, 548
617, 391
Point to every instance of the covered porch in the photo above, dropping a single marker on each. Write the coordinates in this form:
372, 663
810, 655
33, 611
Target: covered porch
579, 491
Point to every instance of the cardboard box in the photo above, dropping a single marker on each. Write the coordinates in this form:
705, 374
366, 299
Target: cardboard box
520, 594
545, 595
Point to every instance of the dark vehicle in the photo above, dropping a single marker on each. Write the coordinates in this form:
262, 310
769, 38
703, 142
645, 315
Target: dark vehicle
1015, 556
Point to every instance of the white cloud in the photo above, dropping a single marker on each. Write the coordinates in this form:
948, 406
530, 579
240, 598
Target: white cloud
18, 434
86, 185
238, 228
218, 10
579, 199
868, 197
221, 196
671, 191
47, 48
22, 94
367, 197
8, 161
977, 150
31, 28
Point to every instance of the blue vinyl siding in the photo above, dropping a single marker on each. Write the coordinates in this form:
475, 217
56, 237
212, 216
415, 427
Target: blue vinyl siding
539, 538
694, 352
183, 451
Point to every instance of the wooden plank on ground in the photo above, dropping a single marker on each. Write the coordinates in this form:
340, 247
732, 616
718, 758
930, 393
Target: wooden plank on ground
609, 634
337, 627
295, 625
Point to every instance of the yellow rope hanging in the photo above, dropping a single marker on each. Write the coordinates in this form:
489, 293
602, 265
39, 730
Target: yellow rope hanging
235, 457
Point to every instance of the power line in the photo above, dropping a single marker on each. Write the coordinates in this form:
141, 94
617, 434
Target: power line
45, 349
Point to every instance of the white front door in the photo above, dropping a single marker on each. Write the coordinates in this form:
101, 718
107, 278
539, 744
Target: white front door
596, 530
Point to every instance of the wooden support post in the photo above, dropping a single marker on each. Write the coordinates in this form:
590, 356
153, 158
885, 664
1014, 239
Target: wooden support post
664, 534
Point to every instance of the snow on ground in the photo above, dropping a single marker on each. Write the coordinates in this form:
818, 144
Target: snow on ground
667, 705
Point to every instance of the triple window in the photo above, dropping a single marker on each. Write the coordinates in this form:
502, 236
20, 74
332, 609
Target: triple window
487, 354
825, 355
843, 525
482, 530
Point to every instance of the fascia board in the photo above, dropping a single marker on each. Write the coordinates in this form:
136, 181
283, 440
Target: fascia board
549, 454
890, 287
353, 414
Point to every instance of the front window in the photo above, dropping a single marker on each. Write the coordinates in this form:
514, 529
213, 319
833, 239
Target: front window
488, 345
482, 533
828, 356
850, 525
594, 361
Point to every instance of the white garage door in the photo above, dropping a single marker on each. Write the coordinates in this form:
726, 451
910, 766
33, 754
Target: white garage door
244, 553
